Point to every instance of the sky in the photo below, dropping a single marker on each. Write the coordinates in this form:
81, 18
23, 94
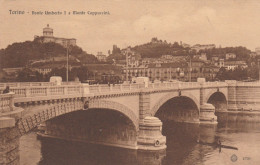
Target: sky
130, 23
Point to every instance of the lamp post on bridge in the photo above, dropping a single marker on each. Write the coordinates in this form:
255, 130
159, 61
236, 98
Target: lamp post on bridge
190, 68
126, 58
67, 70
258, 70
170, 73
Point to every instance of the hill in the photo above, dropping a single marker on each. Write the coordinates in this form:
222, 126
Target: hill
24, 53
156, 48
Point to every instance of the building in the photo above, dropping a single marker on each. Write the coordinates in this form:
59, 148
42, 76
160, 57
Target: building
184, 45
202, 56
133, 58
230, 56
168, 57
221, 63
163, 59
101, 57
48, 37
253, 54
215, 58
209, 72
43, 70
257, 51
199, 47
12, 71
231, 65
177, 70
159, 71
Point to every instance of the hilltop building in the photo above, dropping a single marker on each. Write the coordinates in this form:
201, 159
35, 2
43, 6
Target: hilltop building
48, 37
101, 57
257, 51
230, 56
199, 47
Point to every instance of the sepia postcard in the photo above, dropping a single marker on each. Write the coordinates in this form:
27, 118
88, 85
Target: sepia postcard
129, 82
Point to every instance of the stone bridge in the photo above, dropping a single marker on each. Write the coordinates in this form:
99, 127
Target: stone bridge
122, 115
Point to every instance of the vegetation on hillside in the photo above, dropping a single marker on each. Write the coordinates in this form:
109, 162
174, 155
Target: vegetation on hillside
242, 53
21, 54
156, 48
27, 75
240, 74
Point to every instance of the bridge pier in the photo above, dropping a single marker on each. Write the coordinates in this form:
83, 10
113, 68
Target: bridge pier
150, 134
207, 111
9, 133
207, 114
150, 128
232, 94
9, 142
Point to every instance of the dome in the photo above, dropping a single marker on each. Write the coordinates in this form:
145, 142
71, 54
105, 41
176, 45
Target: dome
47, 29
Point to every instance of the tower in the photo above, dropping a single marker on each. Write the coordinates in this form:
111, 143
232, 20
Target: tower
47, 31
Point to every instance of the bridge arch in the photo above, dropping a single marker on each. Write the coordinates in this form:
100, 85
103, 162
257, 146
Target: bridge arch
169, 97
214, 91
30, 121
218, 99
105, 104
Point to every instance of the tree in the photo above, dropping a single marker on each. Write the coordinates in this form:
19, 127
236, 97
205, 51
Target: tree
27, 75
236, 74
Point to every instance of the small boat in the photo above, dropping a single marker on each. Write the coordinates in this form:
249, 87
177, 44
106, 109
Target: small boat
229, 147
215, 144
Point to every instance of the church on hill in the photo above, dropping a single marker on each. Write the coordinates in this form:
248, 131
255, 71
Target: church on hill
48, 37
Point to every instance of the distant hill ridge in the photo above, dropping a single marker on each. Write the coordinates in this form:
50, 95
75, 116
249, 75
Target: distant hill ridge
156, 48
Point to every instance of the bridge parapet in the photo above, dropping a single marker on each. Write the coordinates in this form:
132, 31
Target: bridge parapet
34, 84
249, 84
176, 85
26, 84
214, 84
79, 89
116, 87
45, 90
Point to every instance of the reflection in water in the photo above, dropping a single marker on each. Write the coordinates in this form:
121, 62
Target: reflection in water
182, 148
57, 152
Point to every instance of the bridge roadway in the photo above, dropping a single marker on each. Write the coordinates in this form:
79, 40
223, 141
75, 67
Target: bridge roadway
143, 107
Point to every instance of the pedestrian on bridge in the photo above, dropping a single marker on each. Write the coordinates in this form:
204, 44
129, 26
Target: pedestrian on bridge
7, 90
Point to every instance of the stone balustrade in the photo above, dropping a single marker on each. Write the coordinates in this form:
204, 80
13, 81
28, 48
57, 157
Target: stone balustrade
45, 90
249, 84
49, 89
26, 84
215, 84
35, 84
6, 103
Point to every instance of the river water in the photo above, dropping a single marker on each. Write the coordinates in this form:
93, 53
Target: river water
187, 144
